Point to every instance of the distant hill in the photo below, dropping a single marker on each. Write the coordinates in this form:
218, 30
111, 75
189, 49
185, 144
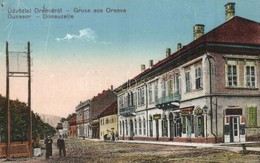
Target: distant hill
51, 119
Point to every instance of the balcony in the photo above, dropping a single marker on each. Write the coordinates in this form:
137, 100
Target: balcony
169, 102
127, 111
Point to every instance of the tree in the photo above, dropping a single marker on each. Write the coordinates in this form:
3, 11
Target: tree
19, 122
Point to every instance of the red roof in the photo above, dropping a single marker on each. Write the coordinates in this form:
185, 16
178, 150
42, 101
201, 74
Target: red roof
112, 109
237, 30
101, 102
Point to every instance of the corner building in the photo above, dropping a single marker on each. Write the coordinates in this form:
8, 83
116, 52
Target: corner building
206, 91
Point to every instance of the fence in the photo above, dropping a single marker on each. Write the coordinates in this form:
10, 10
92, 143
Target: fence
17, 149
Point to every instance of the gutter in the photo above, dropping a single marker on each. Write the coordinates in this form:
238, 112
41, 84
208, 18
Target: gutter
210, 97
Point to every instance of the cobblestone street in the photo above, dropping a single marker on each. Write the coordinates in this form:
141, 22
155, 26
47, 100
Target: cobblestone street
81, 151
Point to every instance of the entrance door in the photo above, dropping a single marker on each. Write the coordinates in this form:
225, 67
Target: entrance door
123, 130
171, 126
189, 127
131, 130
234, 126
157, 129
177, 127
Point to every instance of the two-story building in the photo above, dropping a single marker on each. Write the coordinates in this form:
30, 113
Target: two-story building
206, 91
99, 104
82, 119
72, 125
108, 122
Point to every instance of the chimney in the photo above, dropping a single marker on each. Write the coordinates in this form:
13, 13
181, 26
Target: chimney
142, 68
151, 63
168, 52
198, 30
179, 46
111, 88
230, 10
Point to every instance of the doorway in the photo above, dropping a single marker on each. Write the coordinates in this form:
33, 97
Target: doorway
234, 129
171, 126
131, 130
157, 129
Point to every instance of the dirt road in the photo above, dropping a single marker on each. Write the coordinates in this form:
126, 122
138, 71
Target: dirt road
82, 151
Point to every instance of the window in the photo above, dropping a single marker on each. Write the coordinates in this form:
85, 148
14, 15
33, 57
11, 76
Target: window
120, 126
151, 126
150, 93
134, 99
144, 126
198, 78
250, 76
164, 126
163, 88
121, 104
184, 125
140, 127
170, 92
141, 96
232, 75
126, 128
187, 81
128, 99
135, 127
252, 116
156, 90
177, 83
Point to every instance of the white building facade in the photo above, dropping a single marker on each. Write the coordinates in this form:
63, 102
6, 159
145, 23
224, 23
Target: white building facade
207, 91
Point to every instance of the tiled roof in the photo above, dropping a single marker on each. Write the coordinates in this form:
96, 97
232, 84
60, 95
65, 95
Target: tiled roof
101, 102
238, 30
112, 109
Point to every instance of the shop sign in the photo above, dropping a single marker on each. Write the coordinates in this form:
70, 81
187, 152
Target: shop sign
199, 111
233, 111
185, 112
157, 116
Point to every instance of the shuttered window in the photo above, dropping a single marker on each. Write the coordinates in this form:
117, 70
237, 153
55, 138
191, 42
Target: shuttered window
252, 116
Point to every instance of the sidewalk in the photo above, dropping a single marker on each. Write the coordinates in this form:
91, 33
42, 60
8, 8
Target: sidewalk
224, 146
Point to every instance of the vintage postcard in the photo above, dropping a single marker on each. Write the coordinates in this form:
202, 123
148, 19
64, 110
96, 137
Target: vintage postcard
129, 81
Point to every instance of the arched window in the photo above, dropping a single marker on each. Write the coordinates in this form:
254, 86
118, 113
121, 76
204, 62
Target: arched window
144, 125
123, 129
164, 126
151, 126
135, 127
140, 126
120, 126
126, 128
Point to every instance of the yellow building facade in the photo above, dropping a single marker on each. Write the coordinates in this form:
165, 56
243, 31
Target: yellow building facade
108, 126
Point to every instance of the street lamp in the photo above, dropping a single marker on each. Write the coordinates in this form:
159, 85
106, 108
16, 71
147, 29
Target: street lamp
205, 109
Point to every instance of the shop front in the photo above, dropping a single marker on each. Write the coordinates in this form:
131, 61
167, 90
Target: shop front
234, 125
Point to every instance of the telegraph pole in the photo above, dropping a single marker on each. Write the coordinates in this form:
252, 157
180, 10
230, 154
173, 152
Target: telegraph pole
8, 143
29, 102
18, 73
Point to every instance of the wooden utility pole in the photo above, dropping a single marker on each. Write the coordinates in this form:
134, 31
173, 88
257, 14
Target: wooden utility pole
18, 74
8, 143
29, 102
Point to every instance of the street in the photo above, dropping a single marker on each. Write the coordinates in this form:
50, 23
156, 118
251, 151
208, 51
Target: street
81, 151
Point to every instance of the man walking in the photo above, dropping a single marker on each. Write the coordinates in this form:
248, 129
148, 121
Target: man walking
61, 146
48, 145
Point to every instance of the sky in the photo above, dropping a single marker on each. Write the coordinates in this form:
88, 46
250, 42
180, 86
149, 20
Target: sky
75, 59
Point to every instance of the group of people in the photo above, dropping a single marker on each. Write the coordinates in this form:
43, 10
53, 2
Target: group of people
60, 144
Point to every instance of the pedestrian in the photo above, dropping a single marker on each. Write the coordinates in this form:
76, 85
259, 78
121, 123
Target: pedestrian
61, 146
116, 137
48, 145
113, 135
